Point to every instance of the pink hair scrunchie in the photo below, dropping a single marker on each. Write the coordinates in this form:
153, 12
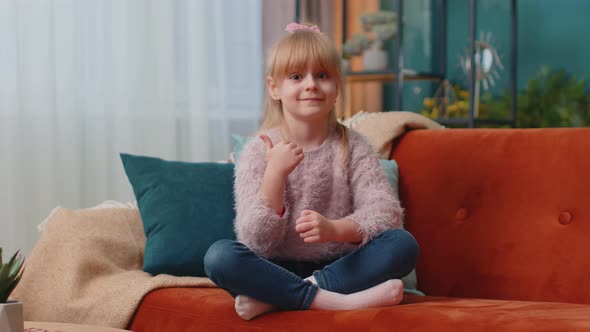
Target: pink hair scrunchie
292, 27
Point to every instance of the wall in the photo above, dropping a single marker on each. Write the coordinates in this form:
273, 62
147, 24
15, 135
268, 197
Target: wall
551, 33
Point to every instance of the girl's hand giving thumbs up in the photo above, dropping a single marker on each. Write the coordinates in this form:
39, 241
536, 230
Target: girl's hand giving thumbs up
282, 158
281, 161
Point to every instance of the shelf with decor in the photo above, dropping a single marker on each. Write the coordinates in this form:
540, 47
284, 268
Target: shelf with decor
380, 77
394, 71
484, 55
388, 76
397, 74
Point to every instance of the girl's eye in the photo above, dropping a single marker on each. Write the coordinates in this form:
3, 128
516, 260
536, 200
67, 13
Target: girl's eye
295, 77
322, 75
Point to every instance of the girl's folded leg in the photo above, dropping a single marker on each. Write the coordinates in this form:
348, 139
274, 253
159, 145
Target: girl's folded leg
391, 255
234, 267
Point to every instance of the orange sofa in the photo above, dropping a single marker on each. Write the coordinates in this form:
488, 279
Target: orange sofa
502, 217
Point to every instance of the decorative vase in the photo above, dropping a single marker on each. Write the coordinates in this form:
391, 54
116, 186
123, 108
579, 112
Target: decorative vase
11, 317
374, 58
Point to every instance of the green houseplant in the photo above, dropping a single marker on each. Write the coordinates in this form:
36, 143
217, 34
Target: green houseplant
11, 312
552, 98
378, 27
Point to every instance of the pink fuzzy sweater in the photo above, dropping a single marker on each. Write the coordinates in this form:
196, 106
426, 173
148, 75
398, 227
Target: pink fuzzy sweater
357, 189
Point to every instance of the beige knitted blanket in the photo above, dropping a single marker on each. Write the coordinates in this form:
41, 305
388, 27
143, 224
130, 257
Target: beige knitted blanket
382, 128
87, 269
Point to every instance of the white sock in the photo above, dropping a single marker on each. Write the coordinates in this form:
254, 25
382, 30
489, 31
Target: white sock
385, 294
248, 308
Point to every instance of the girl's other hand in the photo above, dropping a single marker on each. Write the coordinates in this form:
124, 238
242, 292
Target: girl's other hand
283, 157
315, 228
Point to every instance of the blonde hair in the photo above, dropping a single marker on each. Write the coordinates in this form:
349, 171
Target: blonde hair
294, 52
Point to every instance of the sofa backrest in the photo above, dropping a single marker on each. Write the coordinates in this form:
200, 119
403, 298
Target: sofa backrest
499, 213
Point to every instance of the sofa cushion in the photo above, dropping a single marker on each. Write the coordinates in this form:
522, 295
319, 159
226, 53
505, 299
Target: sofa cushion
185, 207
201, 309
499, 213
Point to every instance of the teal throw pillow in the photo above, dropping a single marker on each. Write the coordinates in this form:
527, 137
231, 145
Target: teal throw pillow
185, 207
391, 170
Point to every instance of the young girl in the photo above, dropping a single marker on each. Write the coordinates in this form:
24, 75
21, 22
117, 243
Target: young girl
318, 225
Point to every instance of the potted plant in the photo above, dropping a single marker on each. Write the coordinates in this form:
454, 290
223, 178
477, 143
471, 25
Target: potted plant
354, 47
11, 312
378, 27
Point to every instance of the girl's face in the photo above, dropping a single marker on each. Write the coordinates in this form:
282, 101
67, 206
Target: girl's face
306, 95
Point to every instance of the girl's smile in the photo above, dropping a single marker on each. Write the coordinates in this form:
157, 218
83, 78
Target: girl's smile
312, 99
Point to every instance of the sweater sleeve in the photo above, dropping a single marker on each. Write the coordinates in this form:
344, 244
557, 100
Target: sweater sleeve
257, 225
376, 208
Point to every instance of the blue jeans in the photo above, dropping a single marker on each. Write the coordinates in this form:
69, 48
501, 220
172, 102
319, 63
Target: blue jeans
234, 267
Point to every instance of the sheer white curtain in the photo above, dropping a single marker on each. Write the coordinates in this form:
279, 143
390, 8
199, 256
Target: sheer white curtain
83, 80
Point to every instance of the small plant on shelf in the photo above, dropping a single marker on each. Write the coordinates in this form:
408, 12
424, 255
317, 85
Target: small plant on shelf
382, 24
377, 27
355, 46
